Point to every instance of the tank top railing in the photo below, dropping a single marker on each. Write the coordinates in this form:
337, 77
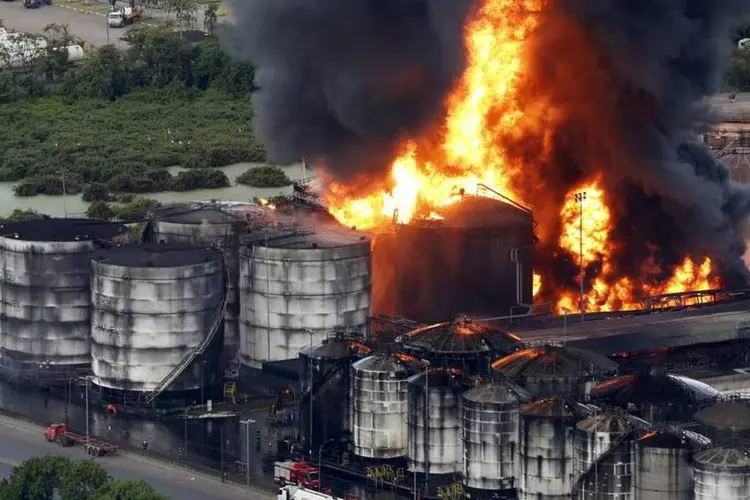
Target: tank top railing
192, 355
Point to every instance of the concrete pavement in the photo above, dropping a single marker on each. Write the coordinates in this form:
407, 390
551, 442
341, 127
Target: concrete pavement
21, 441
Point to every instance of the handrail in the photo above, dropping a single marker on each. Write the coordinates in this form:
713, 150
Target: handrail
191, 356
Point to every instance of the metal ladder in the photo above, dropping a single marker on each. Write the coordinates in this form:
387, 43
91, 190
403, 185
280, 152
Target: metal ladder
192, 355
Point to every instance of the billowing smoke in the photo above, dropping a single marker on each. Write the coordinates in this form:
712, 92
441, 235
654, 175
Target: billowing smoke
340, 81
623, 80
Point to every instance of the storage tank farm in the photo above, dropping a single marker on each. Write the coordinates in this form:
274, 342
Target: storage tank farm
663, 467
326, 367
546, 459
45, 305
379, 395
461, 343
604, 458
211, 223
297, 286
156, 322
656, 397
555, 371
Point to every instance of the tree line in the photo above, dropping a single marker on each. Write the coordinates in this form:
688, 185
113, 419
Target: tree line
737, 77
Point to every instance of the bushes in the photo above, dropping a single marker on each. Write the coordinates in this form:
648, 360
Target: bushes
134, 210
264, 177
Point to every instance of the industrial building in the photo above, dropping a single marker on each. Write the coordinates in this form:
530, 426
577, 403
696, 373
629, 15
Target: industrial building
730, 136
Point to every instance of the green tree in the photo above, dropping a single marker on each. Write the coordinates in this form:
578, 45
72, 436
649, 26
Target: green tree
20, 214
96, 191
100, 210
210, 18
81, 480
264, 177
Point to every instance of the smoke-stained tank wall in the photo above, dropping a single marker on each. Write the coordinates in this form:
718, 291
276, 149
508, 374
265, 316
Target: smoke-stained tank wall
45, 305
663, 469
151, 306
722, 473
462, 263
295, 285
207, 223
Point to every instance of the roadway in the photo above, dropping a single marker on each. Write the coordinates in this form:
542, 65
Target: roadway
22, 441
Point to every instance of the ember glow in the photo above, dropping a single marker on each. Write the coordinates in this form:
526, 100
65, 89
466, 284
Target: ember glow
486, 112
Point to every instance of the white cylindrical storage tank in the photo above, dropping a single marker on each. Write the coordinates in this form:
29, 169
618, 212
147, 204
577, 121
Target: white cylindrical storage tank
379, 405
721, 474
435, 400
301, 285
207, 223
489, 423
604, 458
546, 450
663, 469
45, 304
152, 305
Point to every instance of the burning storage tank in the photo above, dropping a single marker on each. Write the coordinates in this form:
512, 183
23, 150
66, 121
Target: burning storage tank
298, 286
458, 262
656, 397
327, 366
552, 371
434, 423
546, 450
157, 317
489, 423
193, 223
604, 458
379, 395
721, 474
727, 423
462, 344
663, 467
45, 328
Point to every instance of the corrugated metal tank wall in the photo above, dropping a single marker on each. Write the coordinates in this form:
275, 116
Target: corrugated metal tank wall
152, 305
44, 290
721, 474
663, 469
301, 288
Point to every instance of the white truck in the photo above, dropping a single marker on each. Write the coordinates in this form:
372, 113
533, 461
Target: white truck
123, 17
293, 492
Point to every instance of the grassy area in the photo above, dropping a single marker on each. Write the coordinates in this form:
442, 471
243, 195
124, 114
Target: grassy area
85, 5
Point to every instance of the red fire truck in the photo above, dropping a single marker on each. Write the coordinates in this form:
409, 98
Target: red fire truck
299, 473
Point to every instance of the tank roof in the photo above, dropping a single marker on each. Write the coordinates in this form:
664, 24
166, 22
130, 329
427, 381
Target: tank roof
330, 235
461, 335
723, 458
553, 361
548, 407
477, 212
646, 388
62, 229
726, 414
157, 255
662, 439
331, 348
195, 213
387, 362
493, 392
605, 422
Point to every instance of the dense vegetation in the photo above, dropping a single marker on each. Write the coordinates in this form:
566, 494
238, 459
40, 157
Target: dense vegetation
115, 122
264, 177
51, 478
737, 78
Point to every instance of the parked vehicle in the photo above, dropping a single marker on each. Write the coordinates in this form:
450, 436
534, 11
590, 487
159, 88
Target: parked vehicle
62, 435
123, 17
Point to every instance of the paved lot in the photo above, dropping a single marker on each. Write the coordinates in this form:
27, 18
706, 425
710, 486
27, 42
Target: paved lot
90, 28
20, 441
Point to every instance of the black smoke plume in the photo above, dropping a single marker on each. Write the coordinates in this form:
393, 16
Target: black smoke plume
340, 81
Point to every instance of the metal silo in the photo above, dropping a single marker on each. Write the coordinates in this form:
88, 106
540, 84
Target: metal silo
379, 393
461, 343
489, 423
726, 423
656, 397
297, 288
434, 422
546, 450
663, 469
722, 474
553, 371
156, 319
604, 458
327, 365
193, 223
45, 304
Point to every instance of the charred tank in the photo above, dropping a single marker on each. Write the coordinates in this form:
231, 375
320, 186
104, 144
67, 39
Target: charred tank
553, 371
460, 344
656, 397
474, 258
46, 294
727, 423
663, 467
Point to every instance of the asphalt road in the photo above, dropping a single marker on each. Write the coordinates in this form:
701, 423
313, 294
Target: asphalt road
88, 27
20, 441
